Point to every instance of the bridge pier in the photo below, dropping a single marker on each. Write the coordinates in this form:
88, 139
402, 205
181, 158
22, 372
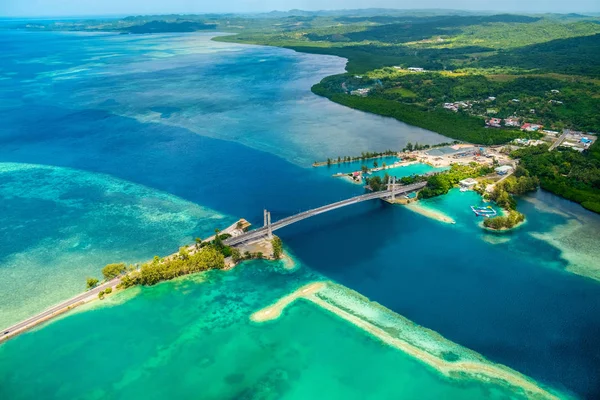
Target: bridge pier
269, 228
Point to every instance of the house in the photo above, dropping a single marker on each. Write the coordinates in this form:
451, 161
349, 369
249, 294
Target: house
451, 107
511, 122
360, 92
530, 127
555, 91
491, 98
532, 111
495, 122
416, 69
515, 100
503, 169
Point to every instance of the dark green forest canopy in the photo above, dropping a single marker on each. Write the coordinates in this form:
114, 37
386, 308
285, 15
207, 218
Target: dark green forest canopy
567, 173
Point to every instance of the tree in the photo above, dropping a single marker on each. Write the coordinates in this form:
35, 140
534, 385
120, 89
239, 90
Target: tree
198, 242
184, 253
236, 255
277, 247
217, 242
383, 165
375, 164
101, 294
409, 146
364, 169
91, 283
111, 271
108, 290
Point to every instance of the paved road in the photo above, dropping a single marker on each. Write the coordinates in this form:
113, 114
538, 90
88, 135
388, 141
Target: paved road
30, 322
262, 231
559, 141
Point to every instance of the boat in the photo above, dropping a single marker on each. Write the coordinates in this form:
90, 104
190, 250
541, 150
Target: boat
486, 212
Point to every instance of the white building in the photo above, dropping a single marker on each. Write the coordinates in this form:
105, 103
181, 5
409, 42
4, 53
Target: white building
503, 169
467, 183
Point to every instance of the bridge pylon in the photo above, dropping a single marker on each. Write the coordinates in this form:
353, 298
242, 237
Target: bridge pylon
269, 228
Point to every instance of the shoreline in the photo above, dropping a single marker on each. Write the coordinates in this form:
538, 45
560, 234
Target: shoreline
429, 213
451, 369
502, 230
92, 294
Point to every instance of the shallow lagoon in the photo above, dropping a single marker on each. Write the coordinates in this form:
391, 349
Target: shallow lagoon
510, 300
193, 337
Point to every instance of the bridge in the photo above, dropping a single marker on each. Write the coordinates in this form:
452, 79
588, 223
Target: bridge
392, 191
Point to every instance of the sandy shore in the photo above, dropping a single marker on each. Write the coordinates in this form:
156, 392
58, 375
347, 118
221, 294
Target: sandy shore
447, 368
274, 311
455, 369
430, 213
288, 262
351, 180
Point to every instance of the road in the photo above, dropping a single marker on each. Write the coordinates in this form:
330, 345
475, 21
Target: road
36, 319
262, 231
559, 141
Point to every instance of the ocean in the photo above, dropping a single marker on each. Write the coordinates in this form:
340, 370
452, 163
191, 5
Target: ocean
122, 147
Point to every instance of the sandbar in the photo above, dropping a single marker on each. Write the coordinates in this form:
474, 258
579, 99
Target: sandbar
274, 310
452, 369
288, 262
430, 213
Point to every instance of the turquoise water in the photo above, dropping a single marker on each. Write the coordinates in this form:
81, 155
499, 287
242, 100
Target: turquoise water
353, 166
190, 338
119, 147
413, 169
60, 225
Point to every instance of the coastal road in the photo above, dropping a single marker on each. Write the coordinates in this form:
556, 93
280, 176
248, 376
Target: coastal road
58, 308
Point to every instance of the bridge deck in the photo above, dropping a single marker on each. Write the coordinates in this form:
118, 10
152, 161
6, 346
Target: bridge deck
263, 231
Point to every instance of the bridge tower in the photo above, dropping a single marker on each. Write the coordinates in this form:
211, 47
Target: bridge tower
265, 217
269, 229
394, 188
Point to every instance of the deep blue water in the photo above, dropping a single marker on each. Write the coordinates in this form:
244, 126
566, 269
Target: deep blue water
234, 129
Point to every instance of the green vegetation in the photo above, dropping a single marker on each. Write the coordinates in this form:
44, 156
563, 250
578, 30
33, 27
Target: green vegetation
277, 247
161, 269
363, 156
104, 292
565, 172
556, 102
504, 222
457, 126
469, 58
91, 283
113, 270
441, 183
518, 183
